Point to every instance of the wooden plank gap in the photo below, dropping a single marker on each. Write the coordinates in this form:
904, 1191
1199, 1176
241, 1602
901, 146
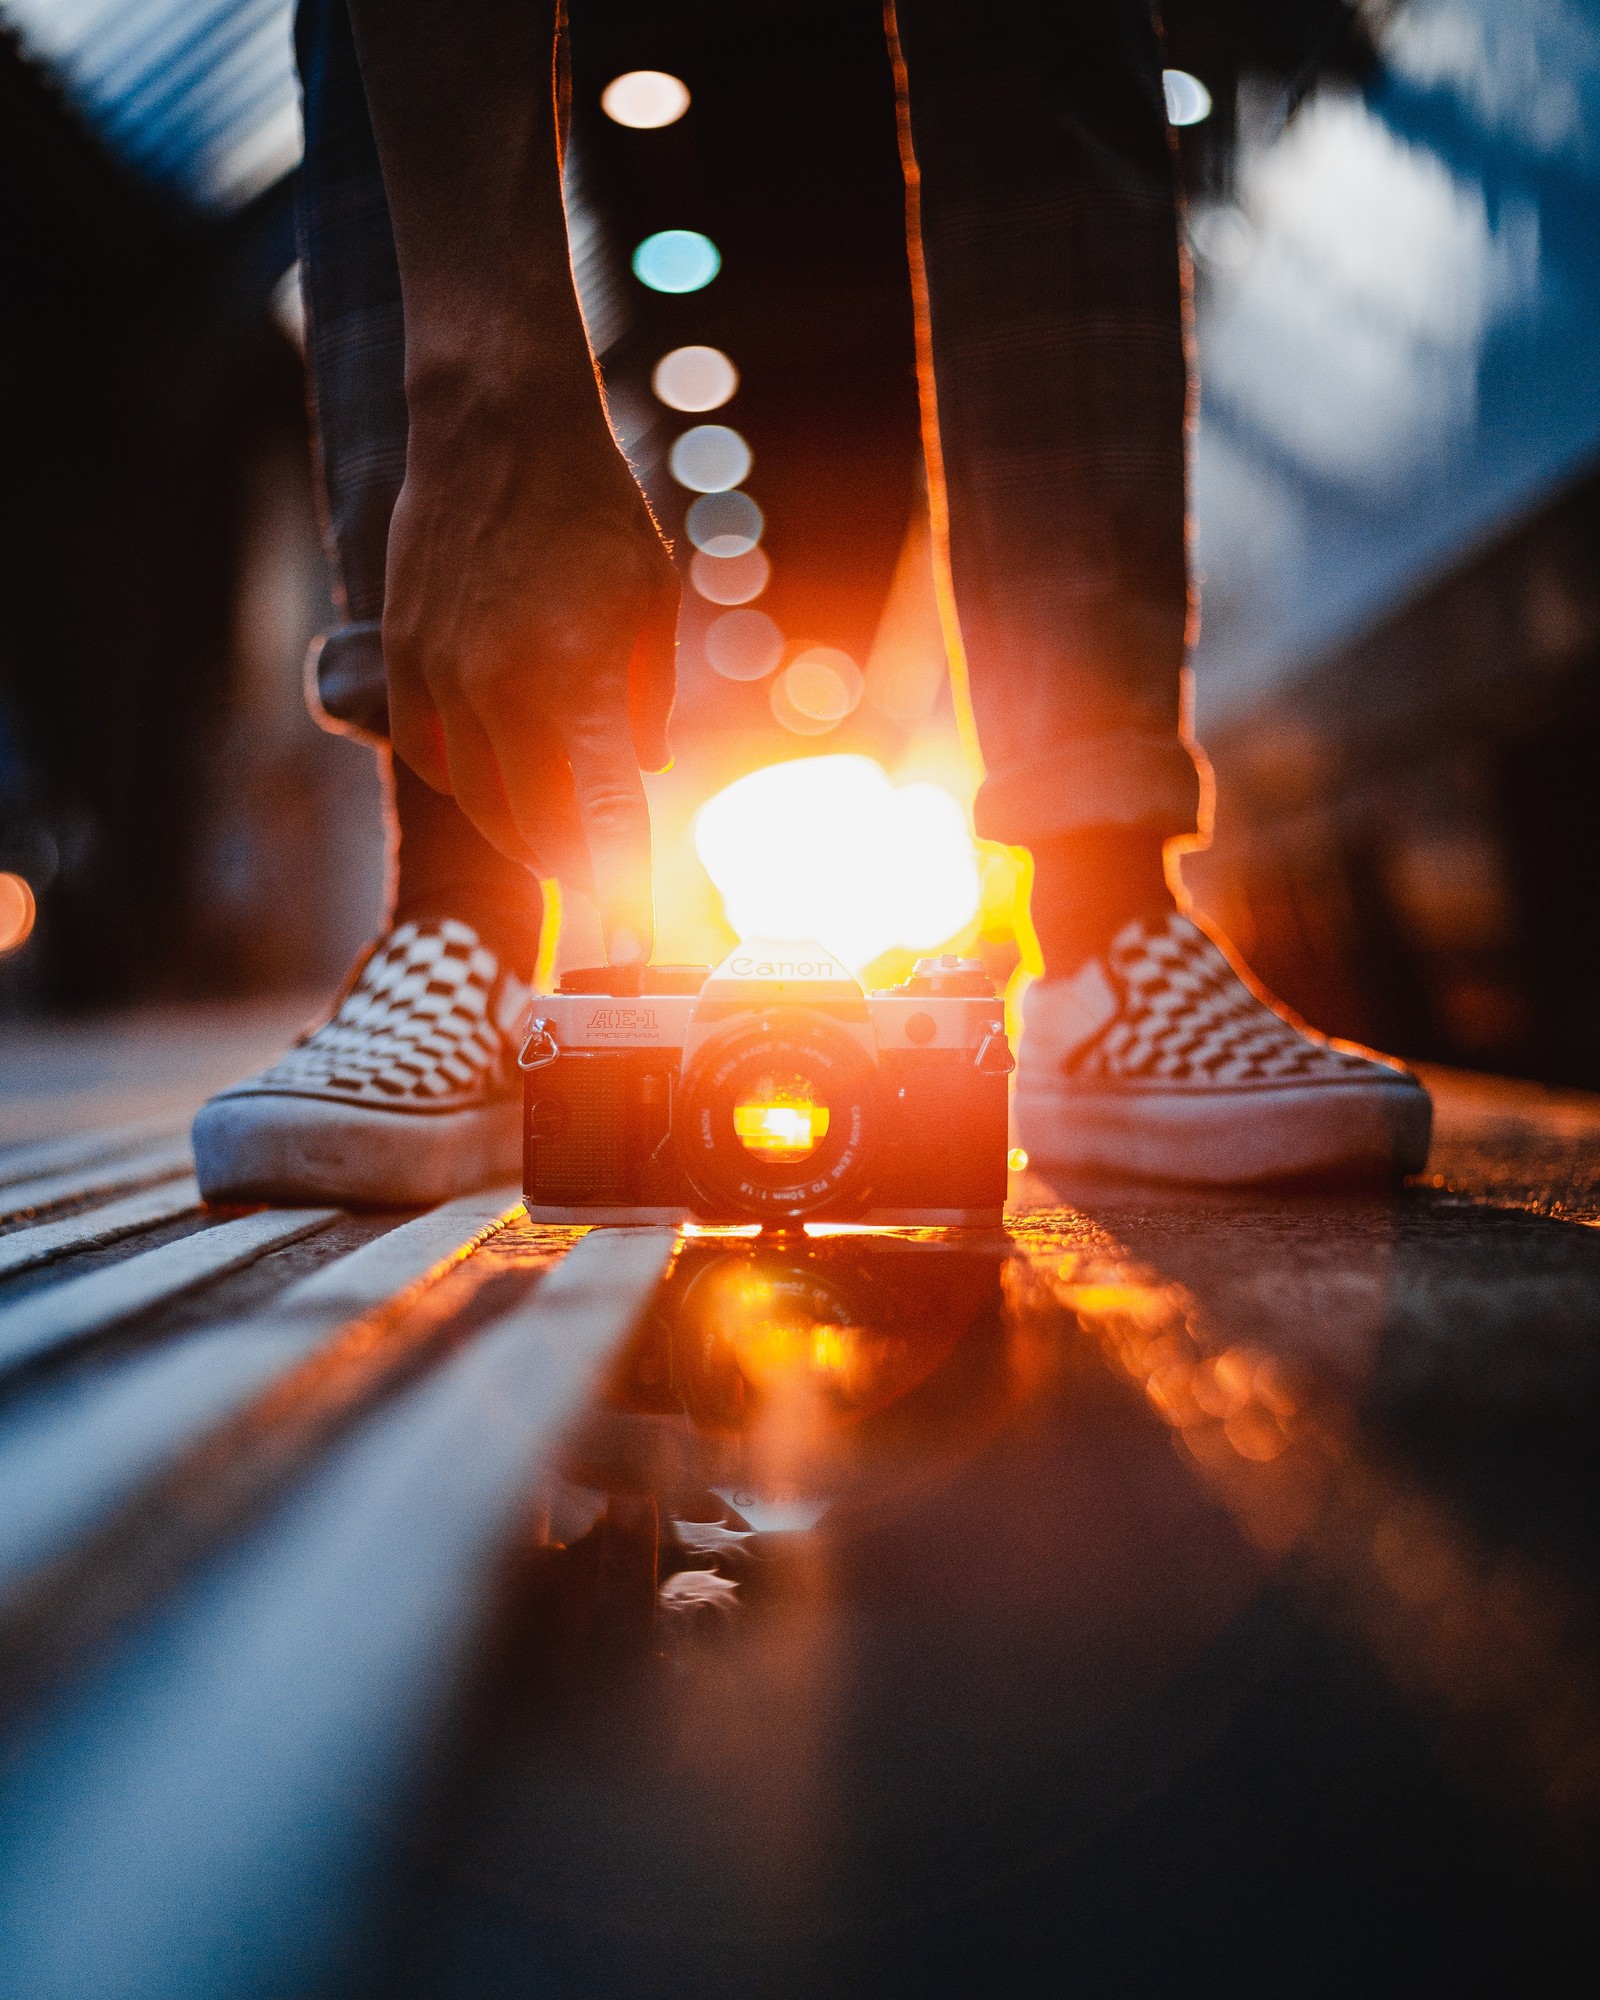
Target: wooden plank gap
45, 1242
84, 1149
77, 1308
156, 1163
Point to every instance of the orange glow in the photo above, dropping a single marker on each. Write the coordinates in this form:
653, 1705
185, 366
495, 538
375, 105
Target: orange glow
1232, 1409
821, 684
774, 1339
781, 1120
927, 395
795, 719
906, 671
828, 847
17, 912
777, 1351
1486, 1634
743, 645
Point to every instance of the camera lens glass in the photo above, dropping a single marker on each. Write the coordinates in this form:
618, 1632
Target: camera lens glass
781, 1118
778, 1117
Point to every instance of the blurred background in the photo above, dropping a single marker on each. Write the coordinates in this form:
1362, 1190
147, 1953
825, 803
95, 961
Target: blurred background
1396, 487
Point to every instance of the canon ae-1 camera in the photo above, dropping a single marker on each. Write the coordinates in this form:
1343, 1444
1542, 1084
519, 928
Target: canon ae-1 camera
772, 1089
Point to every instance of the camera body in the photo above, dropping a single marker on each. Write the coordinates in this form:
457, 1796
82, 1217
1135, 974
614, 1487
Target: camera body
772, 1089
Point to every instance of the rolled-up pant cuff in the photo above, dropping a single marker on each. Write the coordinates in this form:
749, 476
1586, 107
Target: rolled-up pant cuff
347, 687
1124, 778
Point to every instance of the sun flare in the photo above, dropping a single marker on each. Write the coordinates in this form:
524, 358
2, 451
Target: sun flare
828, 847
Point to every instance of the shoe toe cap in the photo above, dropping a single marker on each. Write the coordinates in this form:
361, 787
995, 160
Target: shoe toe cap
257, 1145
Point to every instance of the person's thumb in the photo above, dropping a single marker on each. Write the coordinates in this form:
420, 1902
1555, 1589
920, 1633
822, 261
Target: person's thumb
653, 677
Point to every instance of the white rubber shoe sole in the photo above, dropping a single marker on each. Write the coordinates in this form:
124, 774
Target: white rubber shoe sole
1364, 1129
270, 1146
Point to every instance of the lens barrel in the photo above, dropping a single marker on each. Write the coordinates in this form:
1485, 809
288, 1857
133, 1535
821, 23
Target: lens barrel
733, 1062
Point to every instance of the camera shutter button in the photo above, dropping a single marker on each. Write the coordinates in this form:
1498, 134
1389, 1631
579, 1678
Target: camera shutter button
921, 1028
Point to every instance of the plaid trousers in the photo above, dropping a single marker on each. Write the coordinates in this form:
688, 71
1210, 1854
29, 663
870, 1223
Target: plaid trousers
1052, 306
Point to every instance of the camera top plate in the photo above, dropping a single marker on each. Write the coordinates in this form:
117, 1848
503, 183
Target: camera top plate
948, 1004
633, 982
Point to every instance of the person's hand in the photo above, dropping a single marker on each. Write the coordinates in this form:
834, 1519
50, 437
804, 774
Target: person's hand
528, 631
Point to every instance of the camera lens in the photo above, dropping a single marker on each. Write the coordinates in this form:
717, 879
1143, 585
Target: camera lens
778, 1116
781, 1118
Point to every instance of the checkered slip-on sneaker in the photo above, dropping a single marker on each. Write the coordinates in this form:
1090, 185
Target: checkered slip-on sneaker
408, 1095
1159, 1061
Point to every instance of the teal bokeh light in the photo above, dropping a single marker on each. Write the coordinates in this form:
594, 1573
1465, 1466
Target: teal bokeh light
676, 260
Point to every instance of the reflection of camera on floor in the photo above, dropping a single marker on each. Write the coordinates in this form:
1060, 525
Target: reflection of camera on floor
777, 1388
772, 1089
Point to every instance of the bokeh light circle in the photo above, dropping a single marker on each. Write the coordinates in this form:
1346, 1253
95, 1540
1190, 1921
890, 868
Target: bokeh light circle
730, 579
694, 379
1188, 100
676, 260
724, 524
645, 99
822, 683
743, 645
710, 458
795, 720
17, 911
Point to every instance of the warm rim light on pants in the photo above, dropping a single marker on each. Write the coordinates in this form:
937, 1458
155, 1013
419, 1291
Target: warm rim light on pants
1054, 311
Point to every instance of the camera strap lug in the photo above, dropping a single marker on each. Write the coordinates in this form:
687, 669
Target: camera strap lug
994, 1055
540, 1049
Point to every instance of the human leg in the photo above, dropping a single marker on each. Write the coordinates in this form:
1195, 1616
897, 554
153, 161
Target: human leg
1052, 309
408, 1094
355, 353
1045, 249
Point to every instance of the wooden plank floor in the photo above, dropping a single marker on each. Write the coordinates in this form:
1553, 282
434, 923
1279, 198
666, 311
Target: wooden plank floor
1169, 1588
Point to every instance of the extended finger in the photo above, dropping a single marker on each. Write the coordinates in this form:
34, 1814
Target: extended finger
616, 826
